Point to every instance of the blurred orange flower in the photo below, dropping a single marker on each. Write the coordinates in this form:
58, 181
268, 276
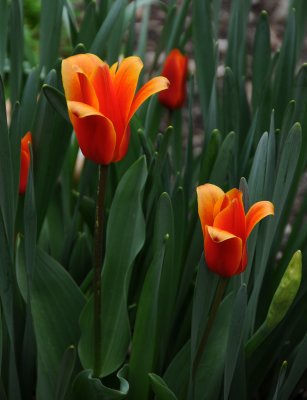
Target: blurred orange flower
226, 227
101, 101
24, 162
175, 70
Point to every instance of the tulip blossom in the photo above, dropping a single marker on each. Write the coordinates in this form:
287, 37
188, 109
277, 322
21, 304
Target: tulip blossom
101, 101
24, 162
175, 70
226, 227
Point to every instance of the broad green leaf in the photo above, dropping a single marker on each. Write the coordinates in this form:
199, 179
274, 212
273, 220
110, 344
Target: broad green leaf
16, 49
86, 386
281, 378
235, 58
101, 38
56, 304
29, 101
261, 58
50, 32
204, 50
177, 373
124, 239
89, 26
296, 370
6, 177
283, 81
220, 170
4, 31
211, 367
57, 100
231, 107
235, 338
65, 373
146, 333
209, 156
160, 388
51, 139
281, 302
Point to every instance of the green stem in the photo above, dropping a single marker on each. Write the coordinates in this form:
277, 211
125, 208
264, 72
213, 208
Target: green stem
98, 258
216, 302
256, 340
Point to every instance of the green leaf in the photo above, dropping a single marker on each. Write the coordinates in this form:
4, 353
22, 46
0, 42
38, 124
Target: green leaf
51, 140
56, 304
236, 38
261, 58
16, 49
204, 51
50, 32
283, 81
124, 239
235, 338
220, 170
101, 38
146, 334
297, 368
57, 100
160, 388
281, 302
86, 386
66, 370
89, 25
281, 378
177, 373
231, 109
211, 367
6, 178
29, 101
209, 156
4, 31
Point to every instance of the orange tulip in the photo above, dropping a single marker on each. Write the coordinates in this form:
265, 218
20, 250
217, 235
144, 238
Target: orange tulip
175, 70
226, 228
24, 162
101, 101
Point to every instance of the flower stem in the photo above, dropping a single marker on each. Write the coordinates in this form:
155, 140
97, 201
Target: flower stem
216, 302
98, 258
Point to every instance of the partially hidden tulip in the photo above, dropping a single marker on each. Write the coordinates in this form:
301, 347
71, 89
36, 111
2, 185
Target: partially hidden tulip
25, 159
101, 101
175, 70
226, 227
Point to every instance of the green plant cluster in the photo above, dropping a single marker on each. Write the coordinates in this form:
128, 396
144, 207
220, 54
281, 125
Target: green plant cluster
156, 291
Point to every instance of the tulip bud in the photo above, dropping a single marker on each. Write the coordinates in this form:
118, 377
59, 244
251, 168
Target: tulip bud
175, 70
24, 162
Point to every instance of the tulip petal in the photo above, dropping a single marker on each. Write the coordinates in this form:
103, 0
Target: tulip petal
88, 92
256, 213
104, 89
95, 133
24, 169
151, 87
207, 196
175, 70
223, 251
86, 63
125, 83
25, 142
232, 219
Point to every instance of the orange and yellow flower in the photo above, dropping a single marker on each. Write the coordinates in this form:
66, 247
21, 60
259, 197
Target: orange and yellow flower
101, 101
175, 69
25, 159
226, 228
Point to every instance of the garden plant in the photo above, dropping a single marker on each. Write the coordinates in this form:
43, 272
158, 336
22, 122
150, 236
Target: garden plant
153, 231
